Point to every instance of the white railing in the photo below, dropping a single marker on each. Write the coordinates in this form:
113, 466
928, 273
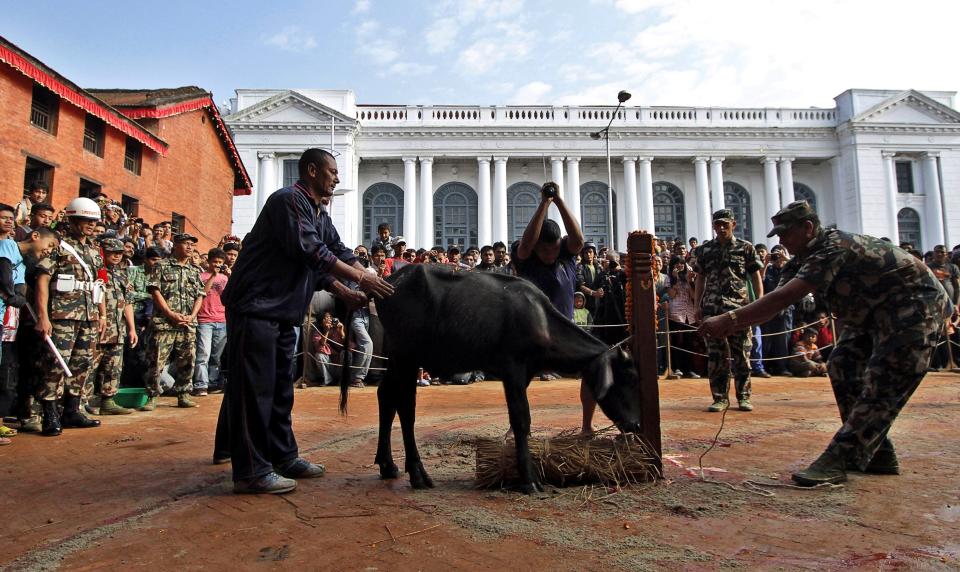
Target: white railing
592, 116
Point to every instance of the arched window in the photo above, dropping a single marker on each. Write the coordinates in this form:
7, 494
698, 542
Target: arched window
737, 199
668, 211
382, 202
593, 212
455, 216
908, 223
522, 201
802, 192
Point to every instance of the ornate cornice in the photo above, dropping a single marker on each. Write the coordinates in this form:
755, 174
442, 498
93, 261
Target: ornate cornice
812, 133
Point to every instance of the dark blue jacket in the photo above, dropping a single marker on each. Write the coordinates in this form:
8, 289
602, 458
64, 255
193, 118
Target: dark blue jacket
289, 252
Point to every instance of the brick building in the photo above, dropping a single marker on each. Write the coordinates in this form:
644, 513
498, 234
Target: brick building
164, 154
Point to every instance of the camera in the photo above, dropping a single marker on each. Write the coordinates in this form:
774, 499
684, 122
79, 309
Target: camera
335, 321
775, 256
550, 190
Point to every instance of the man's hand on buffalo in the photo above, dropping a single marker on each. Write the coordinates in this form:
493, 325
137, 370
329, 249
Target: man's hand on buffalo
374, 285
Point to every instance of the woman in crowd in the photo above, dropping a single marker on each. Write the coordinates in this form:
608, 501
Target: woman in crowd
681, 312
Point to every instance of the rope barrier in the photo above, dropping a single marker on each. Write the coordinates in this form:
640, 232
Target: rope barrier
764, 359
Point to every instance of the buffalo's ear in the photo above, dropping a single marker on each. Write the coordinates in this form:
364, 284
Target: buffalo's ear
624, 354
599, 375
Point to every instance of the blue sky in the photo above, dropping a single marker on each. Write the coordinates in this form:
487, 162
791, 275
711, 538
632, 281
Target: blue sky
667, 52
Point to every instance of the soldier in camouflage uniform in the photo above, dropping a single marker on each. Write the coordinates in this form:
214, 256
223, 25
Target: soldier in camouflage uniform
177, 294
108, 363
71, 310
890, 309
723, 266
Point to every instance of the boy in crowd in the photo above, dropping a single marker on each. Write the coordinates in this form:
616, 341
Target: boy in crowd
108, 360
36, 194
807, 361
383, 237
211, 325
581, 316
41, 214
231, 250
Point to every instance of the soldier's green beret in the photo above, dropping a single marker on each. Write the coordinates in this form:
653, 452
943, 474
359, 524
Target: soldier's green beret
111, 245
723, 214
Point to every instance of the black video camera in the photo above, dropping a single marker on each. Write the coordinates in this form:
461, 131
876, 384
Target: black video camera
550, 190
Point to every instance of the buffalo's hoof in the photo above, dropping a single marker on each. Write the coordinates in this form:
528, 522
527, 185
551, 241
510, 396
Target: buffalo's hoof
419, 479
531, 488
389, 471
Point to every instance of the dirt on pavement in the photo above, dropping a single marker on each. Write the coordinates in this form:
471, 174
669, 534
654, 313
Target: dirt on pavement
141, 492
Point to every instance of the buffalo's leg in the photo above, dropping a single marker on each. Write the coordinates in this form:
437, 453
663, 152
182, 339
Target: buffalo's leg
406, 394
387, 402
515, 388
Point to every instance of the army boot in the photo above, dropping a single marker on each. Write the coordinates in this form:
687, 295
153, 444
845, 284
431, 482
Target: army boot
51, 419
718, 405
150, 405
828, 468
72, 418
109, 407
884, 461
183, 400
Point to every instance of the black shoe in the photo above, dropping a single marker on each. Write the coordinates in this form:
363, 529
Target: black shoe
50, 426
72, 418
271, 483
300, 468
828, 468
884, 461
219, 459
761, 373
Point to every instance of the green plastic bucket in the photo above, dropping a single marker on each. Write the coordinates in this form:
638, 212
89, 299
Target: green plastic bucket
131, 397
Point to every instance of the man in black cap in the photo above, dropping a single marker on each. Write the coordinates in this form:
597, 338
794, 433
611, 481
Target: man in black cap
292, 250
724, 265
548, 260
177, 293
890, 309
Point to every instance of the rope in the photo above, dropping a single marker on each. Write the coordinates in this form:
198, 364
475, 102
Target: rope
764, 359
761, 335
372, 355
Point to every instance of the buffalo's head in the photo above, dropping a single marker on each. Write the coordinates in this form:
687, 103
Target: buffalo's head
614, 382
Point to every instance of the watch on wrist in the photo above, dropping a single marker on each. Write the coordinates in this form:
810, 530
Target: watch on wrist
733, 316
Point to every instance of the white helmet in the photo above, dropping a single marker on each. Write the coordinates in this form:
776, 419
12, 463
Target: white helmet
82, 207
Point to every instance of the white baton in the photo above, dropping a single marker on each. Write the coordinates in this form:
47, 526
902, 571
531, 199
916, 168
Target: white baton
53, 346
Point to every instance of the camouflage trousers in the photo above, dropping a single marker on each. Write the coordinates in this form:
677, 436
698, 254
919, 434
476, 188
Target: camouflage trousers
873, 375
720, 352
77, 342
183, 342
104, 378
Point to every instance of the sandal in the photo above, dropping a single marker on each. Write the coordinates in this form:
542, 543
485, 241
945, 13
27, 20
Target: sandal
5, 441
7, 431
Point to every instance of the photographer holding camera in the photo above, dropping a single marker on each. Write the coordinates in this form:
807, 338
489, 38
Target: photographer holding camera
776, 346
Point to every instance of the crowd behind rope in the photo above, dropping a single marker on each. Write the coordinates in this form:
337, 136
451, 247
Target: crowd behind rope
164, 326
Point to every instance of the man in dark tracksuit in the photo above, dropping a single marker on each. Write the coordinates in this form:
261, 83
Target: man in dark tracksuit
292, 246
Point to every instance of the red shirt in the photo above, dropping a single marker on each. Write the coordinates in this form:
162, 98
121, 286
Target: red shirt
211, 310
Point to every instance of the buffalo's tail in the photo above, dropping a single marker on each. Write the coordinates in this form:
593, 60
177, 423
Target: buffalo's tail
345, 367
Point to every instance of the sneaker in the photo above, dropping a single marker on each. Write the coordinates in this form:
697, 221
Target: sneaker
423, 383
718, 406
201, 392
31, 425
271, 483
184, 401
761, 373
300, 468
215, 389
828, 468
357, 383
678, 373
5, 441
692, 375
744, 404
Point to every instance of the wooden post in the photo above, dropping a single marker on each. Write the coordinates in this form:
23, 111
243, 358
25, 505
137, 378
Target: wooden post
643, 320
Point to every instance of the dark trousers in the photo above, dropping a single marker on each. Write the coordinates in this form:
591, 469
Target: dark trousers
260, 395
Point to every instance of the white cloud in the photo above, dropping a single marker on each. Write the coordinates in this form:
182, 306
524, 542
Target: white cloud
379, 47
506, 43
292, 39
361, 6
533, 93
410, 69
441, 34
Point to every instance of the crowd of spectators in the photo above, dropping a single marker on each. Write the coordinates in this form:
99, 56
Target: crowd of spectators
177, 335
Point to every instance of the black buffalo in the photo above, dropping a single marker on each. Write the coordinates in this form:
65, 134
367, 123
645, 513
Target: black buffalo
448, 322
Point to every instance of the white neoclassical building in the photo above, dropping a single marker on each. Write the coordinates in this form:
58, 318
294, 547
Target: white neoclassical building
881, 162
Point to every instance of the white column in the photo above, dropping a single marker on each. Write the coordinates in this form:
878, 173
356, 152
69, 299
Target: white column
410, 201
267, 175
556, 175
890, 174
786, 180
572, 193
647, 221
931, 188
716, 184
425, 226
770, 195
485, 230
278, 172
630, 208
500, 199
703, 199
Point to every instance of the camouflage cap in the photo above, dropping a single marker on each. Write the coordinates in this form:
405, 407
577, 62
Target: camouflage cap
111, 245
723, 214
795, 212
185, 237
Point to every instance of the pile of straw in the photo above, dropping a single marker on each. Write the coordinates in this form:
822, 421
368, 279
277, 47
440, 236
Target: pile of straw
606, 458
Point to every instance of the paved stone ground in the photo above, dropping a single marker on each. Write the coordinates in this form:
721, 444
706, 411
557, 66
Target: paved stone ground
141, 492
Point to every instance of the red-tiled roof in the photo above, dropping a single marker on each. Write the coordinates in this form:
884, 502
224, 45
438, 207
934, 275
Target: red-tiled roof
73, 94
160, 103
